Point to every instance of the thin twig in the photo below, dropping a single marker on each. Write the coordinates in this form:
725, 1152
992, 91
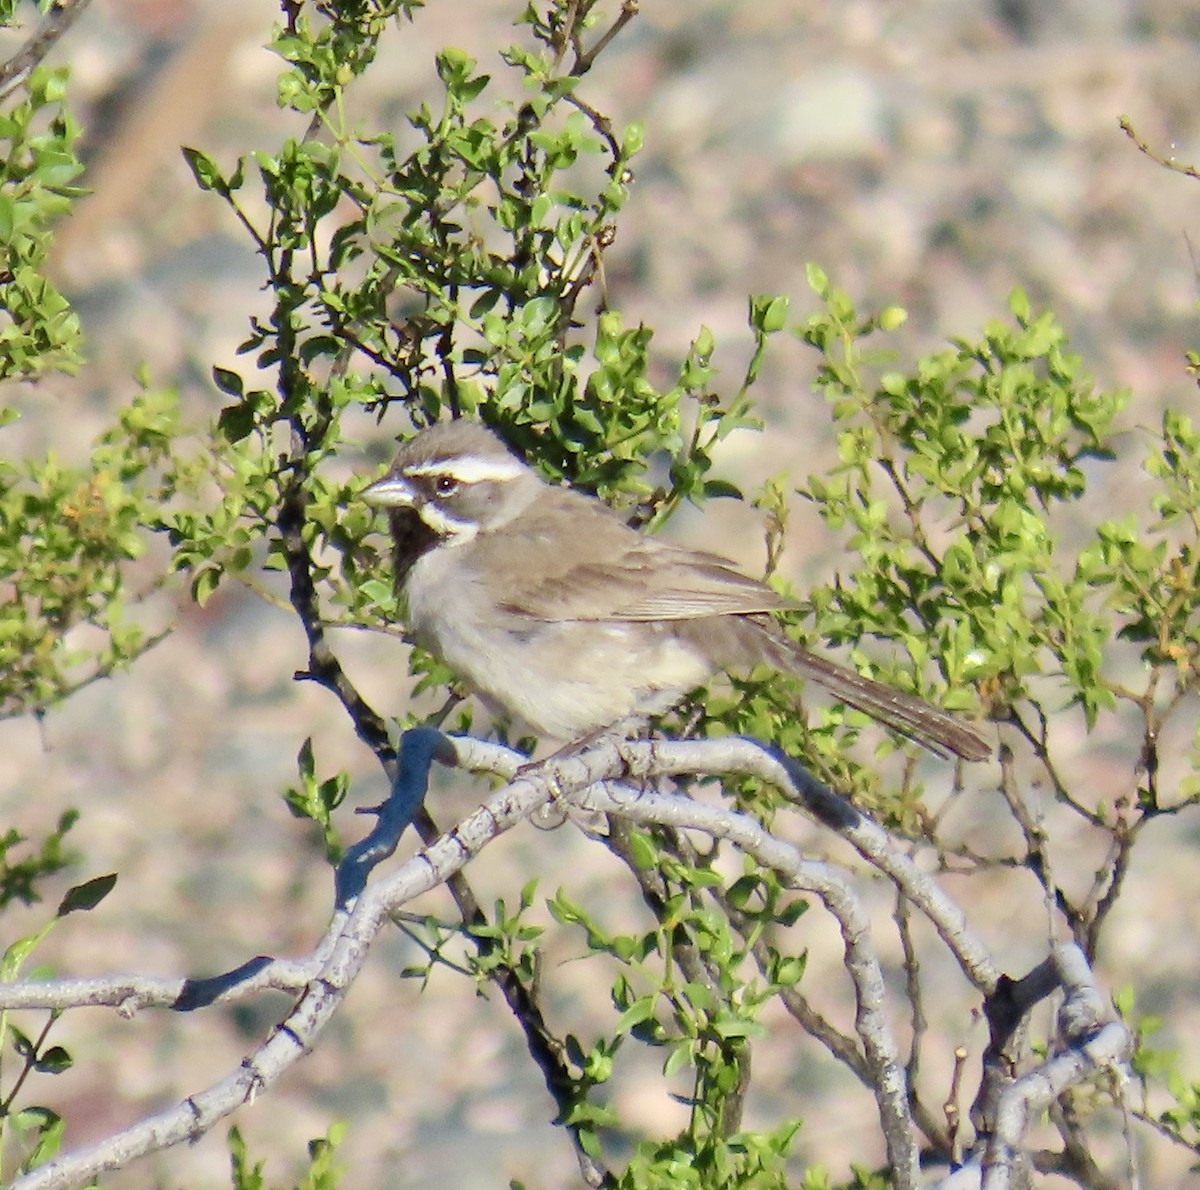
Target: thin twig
1188, 171
585, 59
62, 15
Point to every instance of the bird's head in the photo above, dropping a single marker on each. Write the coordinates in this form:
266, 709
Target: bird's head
459, 479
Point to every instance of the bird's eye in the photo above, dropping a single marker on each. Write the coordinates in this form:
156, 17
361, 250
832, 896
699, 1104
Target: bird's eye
445, 485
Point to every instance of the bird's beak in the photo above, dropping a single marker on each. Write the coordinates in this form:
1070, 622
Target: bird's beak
389, 492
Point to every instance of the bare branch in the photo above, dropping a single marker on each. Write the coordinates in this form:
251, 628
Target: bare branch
1089, 1046
343, 953
591, 777
584, 59
746, 757
821, 879
1189, 171
62, 15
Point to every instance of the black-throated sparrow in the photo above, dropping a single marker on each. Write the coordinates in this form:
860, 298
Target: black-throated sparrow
559, 614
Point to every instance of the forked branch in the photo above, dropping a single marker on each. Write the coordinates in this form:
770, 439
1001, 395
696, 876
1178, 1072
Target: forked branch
607, 777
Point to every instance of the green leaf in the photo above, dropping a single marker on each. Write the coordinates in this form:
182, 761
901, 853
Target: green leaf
637, 1013
16, 954
205, 583
41, 1134
768, 314
729, 1027
714, 489
1018, 303
236, 422
246, 1176
642, 851
818, 281
228, 382
681, 1055
54, 1060
204, 170
85, 897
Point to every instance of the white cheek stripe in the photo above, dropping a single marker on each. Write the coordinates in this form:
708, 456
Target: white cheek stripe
448, 528
469, 469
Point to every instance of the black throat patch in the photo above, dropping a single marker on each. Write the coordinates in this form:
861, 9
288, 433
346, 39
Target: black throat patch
411, 539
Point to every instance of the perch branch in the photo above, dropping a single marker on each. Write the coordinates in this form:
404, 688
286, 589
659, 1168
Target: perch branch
590, 777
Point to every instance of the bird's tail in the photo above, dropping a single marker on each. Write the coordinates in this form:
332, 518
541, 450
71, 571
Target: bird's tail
905, 713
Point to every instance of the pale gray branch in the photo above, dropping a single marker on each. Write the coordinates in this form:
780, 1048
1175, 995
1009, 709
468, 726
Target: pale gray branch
345, 950
594, 777
736, 755
879, 1044
1092, 1044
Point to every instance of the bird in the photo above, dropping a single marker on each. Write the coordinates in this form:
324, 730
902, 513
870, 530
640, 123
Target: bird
561, 616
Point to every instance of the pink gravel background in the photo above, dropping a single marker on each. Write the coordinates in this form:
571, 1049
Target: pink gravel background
934, 155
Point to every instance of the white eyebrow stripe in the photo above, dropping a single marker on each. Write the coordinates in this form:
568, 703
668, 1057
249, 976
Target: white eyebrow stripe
468, 469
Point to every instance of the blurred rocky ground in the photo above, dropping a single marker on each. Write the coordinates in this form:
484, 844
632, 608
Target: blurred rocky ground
932, 154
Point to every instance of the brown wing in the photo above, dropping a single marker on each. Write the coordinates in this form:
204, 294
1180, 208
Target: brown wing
617, 574
630, 577
647, 585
